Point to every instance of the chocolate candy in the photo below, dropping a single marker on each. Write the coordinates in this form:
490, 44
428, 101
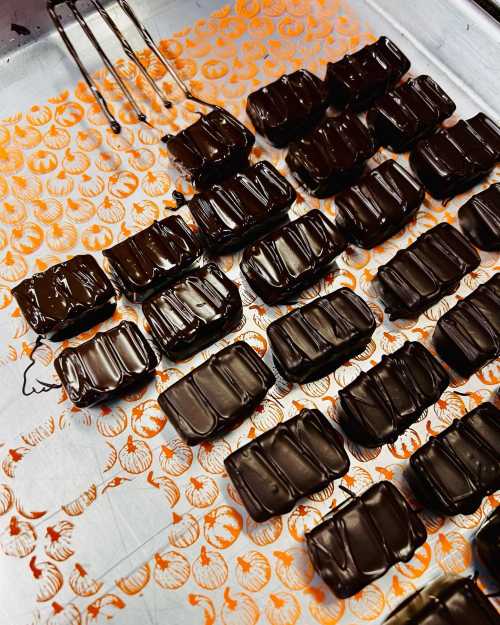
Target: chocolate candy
103, 367
460, 466
408, 113
149, 260
332, 156
312, 341
292, 258
288, 107
379, 205
292, 460
449, 600
419, 276
238, 210
359, 79
213, 148
480, 218
364, 538
455, 158
195, 312
66, 299
217, 395
467, 337
381, 403
488, 544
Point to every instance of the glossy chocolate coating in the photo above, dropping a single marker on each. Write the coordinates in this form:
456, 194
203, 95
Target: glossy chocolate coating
108, 363
241, 208
419, 276
213, 148
449, 600
359, 79
288, 107
292, 258
193, 313
379, 205
332, 156
467, 337
66, 299
454, 159
488, 544
312, 341
382, 402
217, 395
292, 460
480, 218
364, 537
149, 260
408, 113
456, 469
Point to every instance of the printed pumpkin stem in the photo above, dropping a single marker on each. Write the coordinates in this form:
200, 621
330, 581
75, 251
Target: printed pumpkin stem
231, 603
245, 566
37, 572
56, 607
277, 601
14, 528
204, 557
396, 586
446, 546
316, 593
284, 557
151, 480
160, 562
386, 472
53, 534
131, 446
81, 571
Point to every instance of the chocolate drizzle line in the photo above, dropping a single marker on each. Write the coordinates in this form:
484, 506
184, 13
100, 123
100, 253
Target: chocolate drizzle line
46, 386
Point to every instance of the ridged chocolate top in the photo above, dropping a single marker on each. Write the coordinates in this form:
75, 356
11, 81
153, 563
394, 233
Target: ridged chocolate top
488, 544
480, 218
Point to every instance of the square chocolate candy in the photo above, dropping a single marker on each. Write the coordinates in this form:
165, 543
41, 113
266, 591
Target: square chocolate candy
380, 404
480, 218
217, 395
363, 538
419, 276
295, 459
193, 313
488, 544
66, 299
456, 469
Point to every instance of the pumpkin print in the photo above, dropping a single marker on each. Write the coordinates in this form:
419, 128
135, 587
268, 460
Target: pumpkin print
406, 444
56, 138
121, 142
111, 211
60, 185
136, 581
123, 184
222, 526
19, 539
301, 520
368, 604
26, 136
91, 186
4, 187
206, 605
4, 136
78, 505
171, 570
11, 160
282, 608
141, 159
13, 267
26, 188
467, 521
184, 530
80, 210
211, 455
61, 237
48, 577
293, 568
111, 422
452, 552
75, 163
47, 428
166, 486
108, 161
27, 238
239, 609
318, 388
89, 140
67, 615
418, 564
39, 115
357, 480
263, 533
448, 407
253, 571
103, 609
175, 457
399, 590
209, 570
69, 114
155, 184
12, 212
97, 237
148, 419
144, 213
42, 162
135, 456
58, 540
201, 491
81, 583
6, 499
326, 610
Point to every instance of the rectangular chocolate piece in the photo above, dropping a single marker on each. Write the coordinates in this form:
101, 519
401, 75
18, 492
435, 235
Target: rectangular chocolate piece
213, 148
419, 276
193, 313
480, 218
241, 208
295, 459
467, 337
364, 537
66, 299
312, 341
332, 156
104, 366
408, 113
149, 260
454, 159
288, 107
381, 403
456, 469
379, 205
449, 600
217, 395
359, 79
292, 258
488, 544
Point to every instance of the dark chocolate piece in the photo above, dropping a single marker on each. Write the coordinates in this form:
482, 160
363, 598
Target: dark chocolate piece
381, 403
409, 113
288, 107
449, 600
454, 159
488, 544
104, 366
467, 337
213, 148
66, 299
480, 218
292, 258
217, 395
419, 276
237, 211
149, 260
195, 312
359, 79
292, 460
460, 466
379, 205
332, 156
364, 537
312, 341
